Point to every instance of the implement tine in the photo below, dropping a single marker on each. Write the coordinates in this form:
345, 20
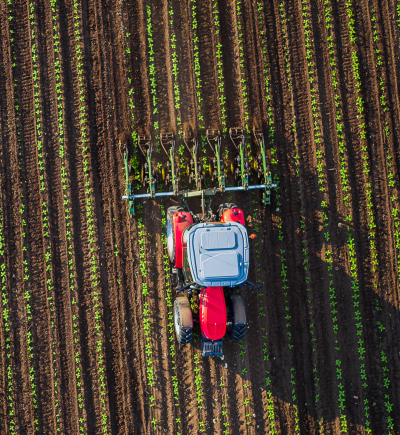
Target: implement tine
167, 139
144, 142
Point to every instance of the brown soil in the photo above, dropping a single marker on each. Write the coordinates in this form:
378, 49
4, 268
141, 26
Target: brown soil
58, 382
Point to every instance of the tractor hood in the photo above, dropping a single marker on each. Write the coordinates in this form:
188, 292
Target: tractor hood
218, 253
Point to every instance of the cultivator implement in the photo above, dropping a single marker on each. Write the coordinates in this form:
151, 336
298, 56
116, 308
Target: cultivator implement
195, 169
242, 164
123, 148
263, 172
148, 173
218, 172
169, 175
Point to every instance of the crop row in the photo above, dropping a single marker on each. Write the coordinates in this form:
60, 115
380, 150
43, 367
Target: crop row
386, 133
344, 183
196, 60
171, 328
142, 241
147, 319
128, 76
225, 414
270, 142
175, 68
220, 64
8, 348
68, 219
324, 206
39, 142
243, 82
297, 165
175, 80
152, 68
283, 266
46, 210
90, 216
347, 201
398, 14
256, 218
246, 392
288, 316
322, 183
374, 266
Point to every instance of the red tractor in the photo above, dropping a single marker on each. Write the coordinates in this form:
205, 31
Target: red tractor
209, 258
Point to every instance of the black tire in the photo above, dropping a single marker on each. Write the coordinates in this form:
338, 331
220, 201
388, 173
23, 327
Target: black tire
236, 318
170, 232
183, 320
226, 206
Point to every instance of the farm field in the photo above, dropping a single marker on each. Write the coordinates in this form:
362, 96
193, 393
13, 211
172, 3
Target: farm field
86, 314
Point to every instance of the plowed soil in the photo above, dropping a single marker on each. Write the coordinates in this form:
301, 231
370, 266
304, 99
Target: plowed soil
85, 348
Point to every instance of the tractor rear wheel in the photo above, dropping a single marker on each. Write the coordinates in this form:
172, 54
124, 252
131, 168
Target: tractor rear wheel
226, 206
236, 318
183, 320
170, 232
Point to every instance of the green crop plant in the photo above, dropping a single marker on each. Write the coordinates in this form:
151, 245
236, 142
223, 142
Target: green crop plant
371, 223
175, 68
146, 313
224, 406
8, 345
243, 81
198, 379
72, 283
261, 27
196, 56
219, 67
84, 134
285, 288
152, 67
347, 200
170, 328
321, 170
47, 243
389, 148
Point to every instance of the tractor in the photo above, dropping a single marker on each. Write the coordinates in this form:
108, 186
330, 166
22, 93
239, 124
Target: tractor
210, 259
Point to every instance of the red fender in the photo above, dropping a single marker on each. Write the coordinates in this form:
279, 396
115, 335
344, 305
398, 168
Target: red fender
233, 215
212, 313
180, 221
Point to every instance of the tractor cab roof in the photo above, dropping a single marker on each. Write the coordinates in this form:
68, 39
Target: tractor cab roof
218, 253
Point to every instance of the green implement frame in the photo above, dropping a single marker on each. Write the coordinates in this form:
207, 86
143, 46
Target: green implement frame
128, 183
193, 193
214, 139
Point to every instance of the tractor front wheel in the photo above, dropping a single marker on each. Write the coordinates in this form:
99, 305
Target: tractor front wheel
226, 206
170, 232
236, 318
183, 320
